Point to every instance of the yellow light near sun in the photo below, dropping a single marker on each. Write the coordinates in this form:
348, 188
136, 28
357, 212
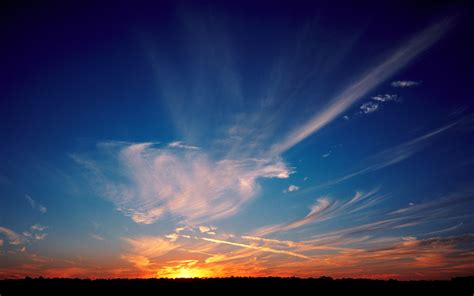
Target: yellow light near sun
188, 272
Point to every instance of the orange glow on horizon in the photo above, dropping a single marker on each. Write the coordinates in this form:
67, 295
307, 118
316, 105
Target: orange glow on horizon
185, 272
184, 269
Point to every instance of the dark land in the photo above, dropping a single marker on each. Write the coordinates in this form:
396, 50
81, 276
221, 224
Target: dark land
230, 286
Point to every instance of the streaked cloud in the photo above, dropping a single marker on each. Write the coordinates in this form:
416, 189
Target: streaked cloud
404, 83
179, 144
11, 236
385, 98
337, 105
264, 249
35, 205
324, 209
187, 184
326, 154
97, 237
394, 155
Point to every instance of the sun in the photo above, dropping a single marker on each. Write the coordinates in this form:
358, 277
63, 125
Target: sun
184, 271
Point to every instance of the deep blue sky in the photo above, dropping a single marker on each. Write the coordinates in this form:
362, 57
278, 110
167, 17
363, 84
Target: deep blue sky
213, 138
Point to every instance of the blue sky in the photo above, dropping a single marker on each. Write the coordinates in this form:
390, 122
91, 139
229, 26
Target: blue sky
176, 139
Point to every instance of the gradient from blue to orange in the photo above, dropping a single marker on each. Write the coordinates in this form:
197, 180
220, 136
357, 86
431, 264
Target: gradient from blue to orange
185, 139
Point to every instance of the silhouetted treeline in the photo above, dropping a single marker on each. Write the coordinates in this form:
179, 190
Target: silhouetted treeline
229, 286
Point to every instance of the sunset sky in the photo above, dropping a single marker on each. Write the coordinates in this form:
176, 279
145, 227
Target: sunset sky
237, 138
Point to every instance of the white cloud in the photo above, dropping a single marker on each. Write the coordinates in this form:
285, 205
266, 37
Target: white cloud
385, 98
179, 144
399, 59
36, 232
292, 188
369, 107
184, 183
204, 229
38, 227
404, 83
35, 205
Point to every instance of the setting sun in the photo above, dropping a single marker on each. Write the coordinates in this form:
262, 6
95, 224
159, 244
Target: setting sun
184, 269
187, 272
191, 273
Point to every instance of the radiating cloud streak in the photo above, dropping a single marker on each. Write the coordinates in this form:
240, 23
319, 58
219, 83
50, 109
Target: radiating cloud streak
264, 249
394, 154
324, 209
399, 59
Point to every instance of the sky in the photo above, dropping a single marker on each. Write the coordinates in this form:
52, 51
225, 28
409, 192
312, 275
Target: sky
237, 138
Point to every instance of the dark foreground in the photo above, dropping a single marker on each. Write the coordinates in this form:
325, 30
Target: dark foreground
226, 286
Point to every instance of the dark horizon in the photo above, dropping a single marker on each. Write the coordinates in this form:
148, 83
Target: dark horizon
455, 286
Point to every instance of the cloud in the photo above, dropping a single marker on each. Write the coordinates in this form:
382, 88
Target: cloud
326, 155
97, 237
399, 59
150, 246
385, 98
291, 188
324, 209
404, 83
35, 205
36, 232
147, 183
369, 107
394, 155
263, 249
179, 144
378, 100
38, 227
204, 229
12, 237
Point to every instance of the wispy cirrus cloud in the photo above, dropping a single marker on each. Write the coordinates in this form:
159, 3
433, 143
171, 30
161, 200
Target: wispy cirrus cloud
324, 209
11, 236
404, 83
149, 182
385, 97
36, 205
180, 144
399, 59
188, 184
394, 155
368, 245
34, 233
